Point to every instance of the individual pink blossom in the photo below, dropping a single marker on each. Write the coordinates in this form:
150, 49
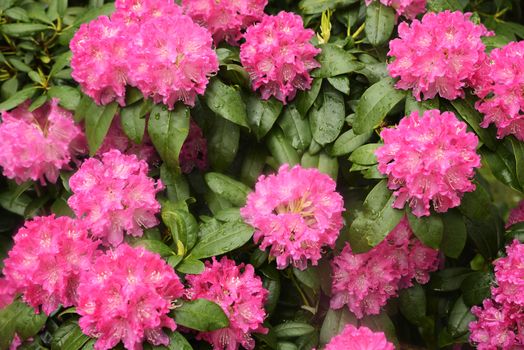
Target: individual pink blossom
407, 8
126, 296
227, 18
7, 292
438, 55
509, 275
15, 343
100, 62
46, 261
116, 139
503, 100
239, 292
428, 158
139, 11
278, 56
113, 195
366, 281
194, 150
362, 338
174, 60
295, 212
516, 215
37, 145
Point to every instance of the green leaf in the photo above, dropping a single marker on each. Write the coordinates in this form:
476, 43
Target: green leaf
15, 203
309, 7
449, 279
334, 323
518, 150
191, 266
292, 329
412, 303
327, 120
176, 342
381, 323
61, 62
281, 149
272, 284
222, 144
466, 110
295, 128
17, 98
442, 5
475, 288
252, 166
69, 97
428, 229
133, 121
181, 224
335, 61
341, 83
226, 101
459, 318
9, 88
97, 122
21, 319
38, 102
365, 155
374, 104
502, 165
17, 13
455, 234
308, 277
68, 337
261, 115
234, 191
168, 131
176, 184
380, 21
420, 106
155, 247
225, 238
202, 315
22, 29
305, 99
376, 220
348, 142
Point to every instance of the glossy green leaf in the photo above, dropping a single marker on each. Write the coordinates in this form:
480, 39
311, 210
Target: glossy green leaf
191, 266
295, 128
202, 315
155, 247
133, 121
262, 114
454, 234
334, 323
459, 318
97, 122
292, 329
327, 120
476, 287
69, 337
222, 144
226, 101
466, 110
335, 61
281, 149
429, 229
380, 21
17, 98
68, 97
234, 191
365, 155
22, 29
176, 184
348, 142
305, 99
318, 6
412, 303
225, 238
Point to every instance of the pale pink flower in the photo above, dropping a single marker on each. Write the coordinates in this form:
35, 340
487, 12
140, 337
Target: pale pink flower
278, 56
516, 215
194, 150
366, 281
225, 19
100, 62
407, 8
295, 212
501, 90
46, 261
429, 158
362, 338
114, 195
239, 292
126, 296
438, 55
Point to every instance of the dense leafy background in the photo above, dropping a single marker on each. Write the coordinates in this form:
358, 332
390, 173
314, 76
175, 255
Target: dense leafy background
333, 127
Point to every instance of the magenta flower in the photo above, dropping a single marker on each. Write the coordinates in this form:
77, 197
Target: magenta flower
225, 19
438, 55
37, 145
429, 158
509, 274
278, 56
407, 8
366, 281
46, 261
113, 195
239, 292
139, 11
362, 338
126, 297
501, 90
295, 212
194, 150
516, 215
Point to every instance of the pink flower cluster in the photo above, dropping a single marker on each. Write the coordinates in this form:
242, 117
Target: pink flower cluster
429, 159
225, 19
47, 260
149, 44
366, 281
501, 319
295, 212
439, 55
516, 215
407, 8
113, 195
362, 338
239, 292
126, 296
37, 145
278, 56
501, 90
194, 150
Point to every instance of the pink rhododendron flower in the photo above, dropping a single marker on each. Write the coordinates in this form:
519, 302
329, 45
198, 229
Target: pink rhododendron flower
37, 145
7, 292
116, 139
139, 11
295, 212
509, 274
438, 55
407, 8
47, 259
429, 158
194, 150
278, 56
126, 297
101, 59
113, 195
503, 100
239, 292
225, 19
15, 343
362, 338
366, 281
516, 215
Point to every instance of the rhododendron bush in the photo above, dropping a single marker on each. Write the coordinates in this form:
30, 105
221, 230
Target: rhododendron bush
262, 174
